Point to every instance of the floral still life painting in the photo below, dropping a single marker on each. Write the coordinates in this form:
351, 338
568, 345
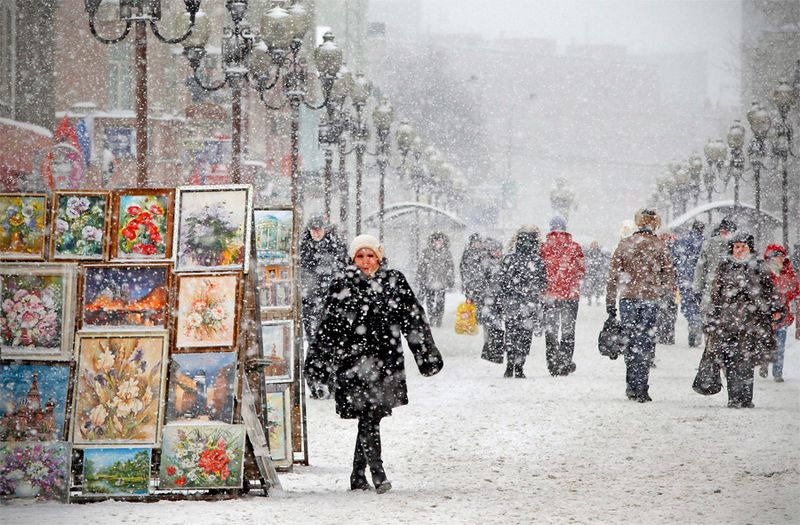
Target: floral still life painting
213, 228
22, 221
33, 401
36, 303
125, 296
142, 226
202, 456
35, 470
119, 392
116, 471
201, 387
79, 225
207, 310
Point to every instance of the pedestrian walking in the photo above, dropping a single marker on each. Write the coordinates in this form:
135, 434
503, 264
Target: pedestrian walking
685, 254
323, 257
787, 286
594, 283
744, 305
436, 275
715, 250
471, 267
565, 267
641, 271
489, 302
667, 306
358, 343
522, 280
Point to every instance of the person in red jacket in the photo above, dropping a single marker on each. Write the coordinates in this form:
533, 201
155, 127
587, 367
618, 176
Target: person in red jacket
564, 264
787, 284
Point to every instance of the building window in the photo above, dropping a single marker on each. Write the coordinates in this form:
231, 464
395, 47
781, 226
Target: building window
120, 75
7, 55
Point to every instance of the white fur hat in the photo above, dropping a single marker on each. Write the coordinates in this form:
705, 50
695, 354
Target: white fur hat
365, 241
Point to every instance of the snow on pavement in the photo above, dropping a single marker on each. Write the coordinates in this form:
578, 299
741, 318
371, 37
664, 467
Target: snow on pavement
474, 447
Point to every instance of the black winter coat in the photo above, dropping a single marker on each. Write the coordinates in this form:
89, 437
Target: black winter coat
523, 278
358, 342
487, 296
471, 268
436, 270
320, 262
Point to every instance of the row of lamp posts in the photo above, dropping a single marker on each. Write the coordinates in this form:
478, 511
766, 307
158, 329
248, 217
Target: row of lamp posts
725, 160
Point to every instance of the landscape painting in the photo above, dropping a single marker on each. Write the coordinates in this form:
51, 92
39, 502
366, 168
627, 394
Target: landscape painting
116, 471
201, 387
125, 296
37, 307
33, 401
119, 389
213, 225
79, 222
22, 226
202, 456
38, 470
143, 221
207, 310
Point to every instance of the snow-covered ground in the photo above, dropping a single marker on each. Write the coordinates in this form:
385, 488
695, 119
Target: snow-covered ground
473, 447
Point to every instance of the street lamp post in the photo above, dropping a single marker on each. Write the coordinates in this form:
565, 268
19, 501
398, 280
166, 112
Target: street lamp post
760, 124
695, 169
382, 116
784, 98
359, 94
138, 13
715, 153
735, 137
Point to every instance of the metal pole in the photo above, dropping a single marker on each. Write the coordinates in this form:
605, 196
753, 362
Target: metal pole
140, 69
328, 180
785, 207
359, 178
757, 182
236, 138
344, 189
382, 161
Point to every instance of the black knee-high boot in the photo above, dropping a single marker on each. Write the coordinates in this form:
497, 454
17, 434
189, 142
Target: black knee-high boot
358, 479
370, 436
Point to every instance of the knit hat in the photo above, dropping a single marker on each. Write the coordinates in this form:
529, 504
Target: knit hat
558, 224
316, 221
744, 238
727, 224
365, 241
647, 218
773, 250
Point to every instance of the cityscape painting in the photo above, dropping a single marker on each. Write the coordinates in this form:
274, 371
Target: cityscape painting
201, 387
33, 401
277, 350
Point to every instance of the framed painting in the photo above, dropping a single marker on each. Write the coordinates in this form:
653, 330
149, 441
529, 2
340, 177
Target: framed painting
36, 470
120, 386
201, 387
116, 471
202, 457
37, 303
213, 228
33, 401
207, 310
142, 221
22, 226
275, 287
79, 224
125, 297
277, 350
273, 236
278, 413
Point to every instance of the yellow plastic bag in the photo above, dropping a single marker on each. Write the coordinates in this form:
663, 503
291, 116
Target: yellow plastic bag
466, 320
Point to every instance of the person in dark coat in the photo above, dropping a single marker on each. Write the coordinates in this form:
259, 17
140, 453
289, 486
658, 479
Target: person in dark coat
323, 256
359, 343
471, 267
522, 280
667, 306
436, 275
739, 323
685, 254
594, 283
488, 301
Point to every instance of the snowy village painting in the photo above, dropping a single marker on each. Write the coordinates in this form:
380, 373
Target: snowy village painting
35, 470
79, 223
202, 456
142, 224
120, 385
201, 387
116, 471
117, 296
33, 401
277, 350
207, 310
22, 226
213, 226
37, 304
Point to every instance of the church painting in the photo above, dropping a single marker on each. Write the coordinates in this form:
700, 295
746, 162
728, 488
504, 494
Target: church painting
33, 401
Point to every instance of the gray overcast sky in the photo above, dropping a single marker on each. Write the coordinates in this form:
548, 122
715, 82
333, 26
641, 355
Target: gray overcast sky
643, 26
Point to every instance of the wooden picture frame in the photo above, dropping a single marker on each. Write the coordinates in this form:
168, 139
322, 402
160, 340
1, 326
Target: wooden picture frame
125, 407
37, 303
23, 221
118, 296
79, 225
212, 228
142, 222
272, 238
276, 343
116, 471
277, 415
207, 310
201, 387
45, 468
202, 457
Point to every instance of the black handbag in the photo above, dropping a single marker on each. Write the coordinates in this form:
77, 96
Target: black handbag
612, 339
708, 380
